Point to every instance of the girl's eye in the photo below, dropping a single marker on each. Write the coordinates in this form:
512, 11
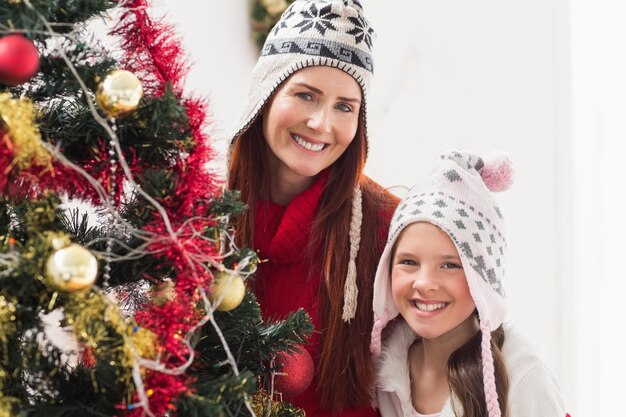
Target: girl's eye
452, 265
344, 108
305, 96
407, 262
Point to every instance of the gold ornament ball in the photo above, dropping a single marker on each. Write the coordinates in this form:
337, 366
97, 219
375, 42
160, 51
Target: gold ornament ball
119, 93
71, 269
230, 288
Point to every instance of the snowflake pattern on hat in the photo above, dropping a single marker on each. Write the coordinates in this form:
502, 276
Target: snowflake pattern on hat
286, 17
306, 27
320, 19
362, 31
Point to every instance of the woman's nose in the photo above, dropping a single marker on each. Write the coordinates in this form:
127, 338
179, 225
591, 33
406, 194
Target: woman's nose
319, 120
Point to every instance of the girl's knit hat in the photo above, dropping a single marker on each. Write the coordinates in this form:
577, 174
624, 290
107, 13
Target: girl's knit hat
457, 197
309, 33
331, 33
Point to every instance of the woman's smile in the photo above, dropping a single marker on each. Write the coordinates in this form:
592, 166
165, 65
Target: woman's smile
308, 144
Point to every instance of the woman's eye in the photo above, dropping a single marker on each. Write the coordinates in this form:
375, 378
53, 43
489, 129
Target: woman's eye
305, 96
452, 265
344, 108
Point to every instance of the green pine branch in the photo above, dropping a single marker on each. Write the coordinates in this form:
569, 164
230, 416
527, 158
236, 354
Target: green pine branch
62, 14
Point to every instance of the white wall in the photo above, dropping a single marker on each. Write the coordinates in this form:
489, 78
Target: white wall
482, 75
599, 145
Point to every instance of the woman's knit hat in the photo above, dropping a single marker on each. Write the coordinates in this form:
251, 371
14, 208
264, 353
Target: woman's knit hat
309, 33
331, 33
457, 197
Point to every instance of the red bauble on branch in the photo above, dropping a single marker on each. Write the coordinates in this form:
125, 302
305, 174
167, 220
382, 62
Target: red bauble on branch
19, 59
296, 373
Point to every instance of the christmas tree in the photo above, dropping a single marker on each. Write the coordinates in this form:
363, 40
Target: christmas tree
141, 278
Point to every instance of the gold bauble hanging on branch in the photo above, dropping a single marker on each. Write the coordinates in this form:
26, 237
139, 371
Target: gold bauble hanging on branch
72, 268
229, 288
119, 93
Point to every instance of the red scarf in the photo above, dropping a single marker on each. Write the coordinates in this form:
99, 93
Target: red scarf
287, 281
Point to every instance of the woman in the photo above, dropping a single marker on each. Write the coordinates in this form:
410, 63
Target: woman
298, 161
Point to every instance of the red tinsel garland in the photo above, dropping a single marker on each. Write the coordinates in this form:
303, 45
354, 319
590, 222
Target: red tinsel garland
162, 393
198, 186
152, 52
31, 183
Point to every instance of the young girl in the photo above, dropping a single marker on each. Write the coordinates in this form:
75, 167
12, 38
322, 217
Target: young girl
450, 354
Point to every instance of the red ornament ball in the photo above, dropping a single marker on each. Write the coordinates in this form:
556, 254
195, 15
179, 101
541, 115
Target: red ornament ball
19, 59
296, 373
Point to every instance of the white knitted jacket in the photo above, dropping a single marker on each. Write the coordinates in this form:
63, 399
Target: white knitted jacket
533, 390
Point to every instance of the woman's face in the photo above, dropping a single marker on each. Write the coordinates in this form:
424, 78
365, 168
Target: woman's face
428, 283
311, 120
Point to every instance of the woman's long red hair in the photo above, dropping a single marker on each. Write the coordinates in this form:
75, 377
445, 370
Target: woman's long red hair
344, 370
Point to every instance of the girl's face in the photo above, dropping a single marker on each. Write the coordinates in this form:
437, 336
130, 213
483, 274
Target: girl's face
311, 120
428, 283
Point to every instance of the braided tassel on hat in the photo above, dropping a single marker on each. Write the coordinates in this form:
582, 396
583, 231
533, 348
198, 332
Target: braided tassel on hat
497, 174
489, 375
350, 289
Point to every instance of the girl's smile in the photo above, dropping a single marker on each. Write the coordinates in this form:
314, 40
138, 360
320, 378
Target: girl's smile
428, 308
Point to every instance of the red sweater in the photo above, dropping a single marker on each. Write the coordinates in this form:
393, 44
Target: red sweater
285, 282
